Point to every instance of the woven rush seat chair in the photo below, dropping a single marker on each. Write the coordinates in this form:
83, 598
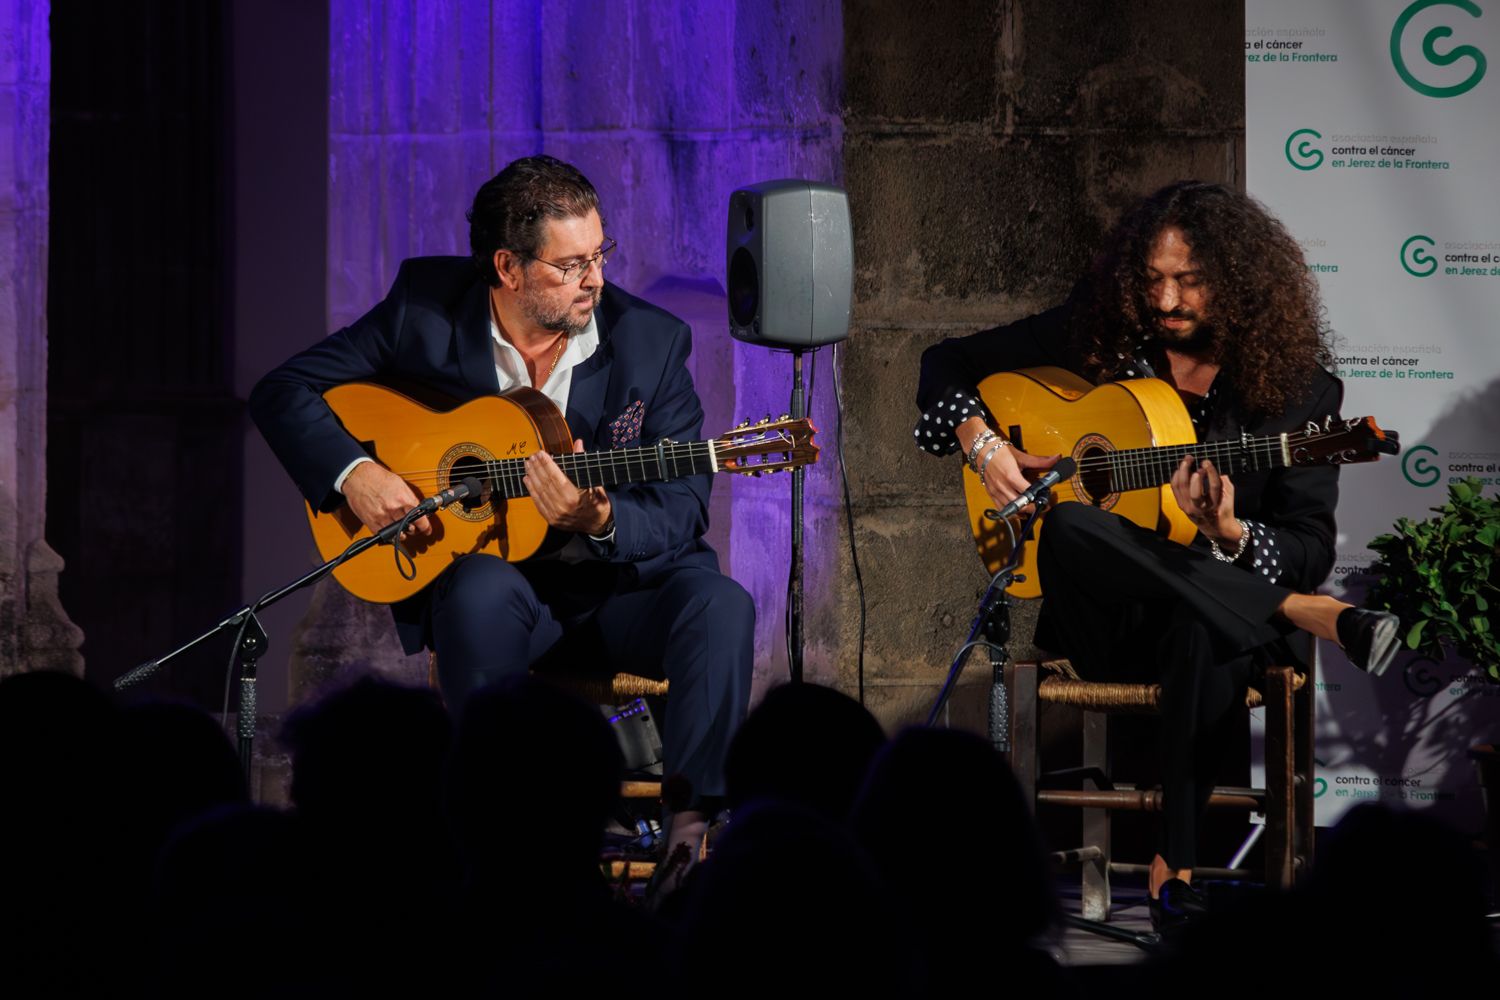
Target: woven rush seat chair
1286, 801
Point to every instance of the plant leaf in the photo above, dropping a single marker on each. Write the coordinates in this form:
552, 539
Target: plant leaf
1414, 636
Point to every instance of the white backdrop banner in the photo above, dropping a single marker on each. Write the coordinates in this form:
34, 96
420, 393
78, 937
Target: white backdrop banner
1373, 131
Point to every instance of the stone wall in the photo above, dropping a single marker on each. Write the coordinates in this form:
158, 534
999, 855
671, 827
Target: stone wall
987, 146
35, 633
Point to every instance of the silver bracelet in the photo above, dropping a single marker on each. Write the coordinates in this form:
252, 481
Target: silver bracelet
989, 455
1219, 553
984, 435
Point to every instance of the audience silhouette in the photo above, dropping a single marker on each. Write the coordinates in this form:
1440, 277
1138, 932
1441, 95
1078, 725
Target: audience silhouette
425, 858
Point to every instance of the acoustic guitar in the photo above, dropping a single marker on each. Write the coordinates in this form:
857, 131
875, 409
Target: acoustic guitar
1127, 439
433, 445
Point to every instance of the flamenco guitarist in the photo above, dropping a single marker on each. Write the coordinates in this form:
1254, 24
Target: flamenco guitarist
1198, 286
531, 308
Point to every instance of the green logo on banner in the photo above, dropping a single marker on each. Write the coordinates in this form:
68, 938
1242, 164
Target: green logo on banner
1415, 467
1421, 681
1435, 57
1416, 259
1305, 156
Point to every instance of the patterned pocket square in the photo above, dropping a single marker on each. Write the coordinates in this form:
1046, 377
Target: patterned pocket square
627, 426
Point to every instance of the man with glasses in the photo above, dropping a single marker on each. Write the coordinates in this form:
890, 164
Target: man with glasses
635, 582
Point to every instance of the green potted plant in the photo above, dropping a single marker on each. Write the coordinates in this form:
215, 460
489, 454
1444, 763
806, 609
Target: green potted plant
1438, 575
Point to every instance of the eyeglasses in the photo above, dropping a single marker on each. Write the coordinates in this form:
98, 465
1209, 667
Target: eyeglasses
575, 271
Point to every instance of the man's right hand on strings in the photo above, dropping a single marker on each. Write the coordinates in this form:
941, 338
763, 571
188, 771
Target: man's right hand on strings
1003, 474
378, 497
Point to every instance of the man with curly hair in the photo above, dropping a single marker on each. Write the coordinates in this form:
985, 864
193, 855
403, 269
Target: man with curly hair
1198, 285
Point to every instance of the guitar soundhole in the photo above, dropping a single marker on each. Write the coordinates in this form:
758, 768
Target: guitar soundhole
1093, 483
459, 463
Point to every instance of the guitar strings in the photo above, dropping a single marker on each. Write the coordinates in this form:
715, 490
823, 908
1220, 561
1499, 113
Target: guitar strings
598, 468
593, 463
1139, 468
677, 451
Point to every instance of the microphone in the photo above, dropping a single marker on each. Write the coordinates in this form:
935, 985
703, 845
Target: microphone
1064, 469
470, 486
136, 675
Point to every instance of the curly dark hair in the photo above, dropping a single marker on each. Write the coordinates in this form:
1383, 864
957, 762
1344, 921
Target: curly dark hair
510, 208
1264, 309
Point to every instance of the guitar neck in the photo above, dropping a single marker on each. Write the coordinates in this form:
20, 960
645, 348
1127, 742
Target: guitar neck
668, 460
1146, 468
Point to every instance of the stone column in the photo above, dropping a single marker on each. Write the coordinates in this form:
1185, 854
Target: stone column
987, 147
35, 632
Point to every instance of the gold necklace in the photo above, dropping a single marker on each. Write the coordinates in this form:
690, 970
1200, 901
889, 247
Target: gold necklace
562, 342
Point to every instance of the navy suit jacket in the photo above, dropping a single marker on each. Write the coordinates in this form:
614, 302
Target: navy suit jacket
433, 328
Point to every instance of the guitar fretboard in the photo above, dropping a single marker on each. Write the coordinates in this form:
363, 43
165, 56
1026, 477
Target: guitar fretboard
669, 460
1144, 468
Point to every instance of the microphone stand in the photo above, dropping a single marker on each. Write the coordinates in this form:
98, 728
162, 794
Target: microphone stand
996, 627
795, 643
992, 619
250, 639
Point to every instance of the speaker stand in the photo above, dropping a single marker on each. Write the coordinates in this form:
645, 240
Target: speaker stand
794, 587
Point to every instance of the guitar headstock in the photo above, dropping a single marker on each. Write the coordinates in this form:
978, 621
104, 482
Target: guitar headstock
1342, 442
768, 446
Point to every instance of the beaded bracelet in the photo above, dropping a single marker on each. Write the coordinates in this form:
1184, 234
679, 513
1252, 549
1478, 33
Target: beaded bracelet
1244, 543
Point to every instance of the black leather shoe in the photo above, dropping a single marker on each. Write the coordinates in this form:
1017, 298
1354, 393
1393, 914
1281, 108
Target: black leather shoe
1369, 638
1178, 905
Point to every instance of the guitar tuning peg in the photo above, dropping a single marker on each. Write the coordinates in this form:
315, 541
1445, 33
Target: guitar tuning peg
785, 416
766, 419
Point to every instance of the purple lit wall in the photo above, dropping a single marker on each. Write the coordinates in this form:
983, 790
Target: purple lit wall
667, 108
34, 630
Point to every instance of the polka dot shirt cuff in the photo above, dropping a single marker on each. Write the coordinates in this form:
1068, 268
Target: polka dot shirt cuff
1263, 554
934, 432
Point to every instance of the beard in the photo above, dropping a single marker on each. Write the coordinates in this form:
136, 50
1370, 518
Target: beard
559, 318
1203, 338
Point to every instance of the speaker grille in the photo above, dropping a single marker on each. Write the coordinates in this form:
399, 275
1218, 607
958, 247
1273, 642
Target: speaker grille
744, 287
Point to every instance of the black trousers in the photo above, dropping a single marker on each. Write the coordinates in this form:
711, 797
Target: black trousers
1125, 604
695, 627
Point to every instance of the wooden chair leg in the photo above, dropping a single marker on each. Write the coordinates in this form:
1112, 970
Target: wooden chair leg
1096, 822
1280, 779
1304, 716
1022, 679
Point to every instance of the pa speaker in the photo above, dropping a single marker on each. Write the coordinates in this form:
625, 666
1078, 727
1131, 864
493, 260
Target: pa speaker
791, 264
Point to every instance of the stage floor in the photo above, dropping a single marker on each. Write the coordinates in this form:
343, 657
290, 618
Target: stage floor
1080, 947
1076, 947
